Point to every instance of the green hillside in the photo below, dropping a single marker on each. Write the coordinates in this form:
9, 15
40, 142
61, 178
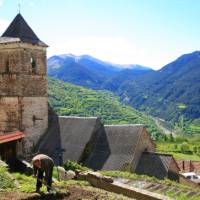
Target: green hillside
68, 99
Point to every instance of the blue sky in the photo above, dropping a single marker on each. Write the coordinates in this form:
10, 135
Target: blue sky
147, 32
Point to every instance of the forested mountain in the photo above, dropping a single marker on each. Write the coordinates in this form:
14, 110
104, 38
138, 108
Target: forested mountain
68, 99
169, 93
124, 76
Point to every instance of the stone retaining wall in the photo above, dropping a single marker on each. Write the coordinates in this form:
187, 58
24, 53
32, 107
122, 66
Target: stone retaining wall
106, 183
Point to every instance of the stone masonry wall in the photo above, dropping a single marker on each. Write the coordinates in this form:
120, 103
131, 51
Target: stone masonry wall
29, 114
144, 144
9, 114
16, 73
34, 119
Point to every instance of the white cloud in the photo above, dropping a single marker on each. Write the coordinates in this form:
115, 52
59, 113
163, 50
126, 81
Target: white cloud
114, 49
3, 25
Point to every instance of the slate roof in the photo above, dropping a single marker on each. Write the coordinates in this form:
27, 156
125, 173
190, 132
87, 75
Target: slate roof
76, 132
115, 147
70, 134
87, 140
154, 164
19, 29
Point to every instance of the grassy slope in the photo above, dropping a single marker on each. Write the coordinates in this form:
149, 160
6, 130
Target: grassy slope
174, 148
27, 185
6, 181
68, 99
75, 188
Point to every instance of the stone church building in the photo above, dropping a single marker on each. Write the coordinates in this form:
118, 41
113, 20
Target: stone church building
23, 88
29, 126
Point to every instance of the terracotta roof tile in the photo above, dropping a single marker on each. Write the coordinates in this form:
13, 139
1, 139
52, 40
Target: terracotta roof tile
8, 137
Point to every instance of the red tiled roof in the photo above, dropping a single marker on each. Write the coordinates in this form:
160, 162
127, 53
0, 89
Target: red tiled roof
8, 137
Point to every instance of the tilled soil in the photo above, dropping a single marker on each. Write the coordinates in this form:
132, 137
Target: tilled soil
74, 193
77, 192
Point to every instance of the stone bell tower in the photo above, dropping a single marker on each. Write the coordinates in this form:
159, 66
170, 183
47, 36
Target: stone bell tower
23, 83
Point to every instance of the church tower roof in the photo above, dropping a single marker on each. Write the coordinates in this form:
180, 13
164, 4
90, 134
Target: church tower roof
21, 30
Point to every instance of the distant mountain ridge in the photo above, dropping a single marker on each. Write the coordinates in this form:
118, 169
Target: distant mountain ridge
86, 58
87, 71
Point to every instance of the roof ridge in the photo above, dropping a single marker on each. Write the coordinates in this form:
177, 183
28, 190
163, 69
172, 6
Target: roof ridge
132, 125
77, 117
156, 153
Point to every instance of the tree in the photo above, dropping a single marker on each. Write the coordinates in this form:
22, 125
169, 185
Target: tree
165, 138
195, 149
175, 146
198, 150
171, 137
185, 147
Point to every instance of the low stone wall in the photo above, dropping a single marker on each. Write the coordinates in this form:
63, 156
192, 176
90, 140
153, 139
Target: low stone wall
106, 183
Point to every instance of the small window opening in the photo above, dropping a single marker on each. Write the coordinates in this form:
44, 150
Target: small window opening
34, 66
34, 120
7, 68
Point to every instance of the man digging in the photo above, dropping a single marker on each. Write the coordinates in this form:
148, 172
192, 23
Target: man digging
43, 164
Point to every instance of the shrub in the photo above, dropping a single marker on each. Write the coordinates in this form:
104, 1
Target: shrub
185, 147
6, 181
175, 146
181, 139
70, 165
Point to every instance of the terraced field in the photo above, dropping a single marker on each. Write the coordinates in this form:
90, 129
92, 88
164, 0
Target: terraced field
176, 148
193, 129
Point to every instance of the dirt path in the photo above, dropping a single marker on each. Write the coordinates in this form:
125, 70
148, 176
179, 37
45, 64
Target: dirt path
164, 129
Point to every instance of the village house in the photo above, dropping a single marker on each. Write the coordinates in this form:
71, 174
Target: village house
158, 165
